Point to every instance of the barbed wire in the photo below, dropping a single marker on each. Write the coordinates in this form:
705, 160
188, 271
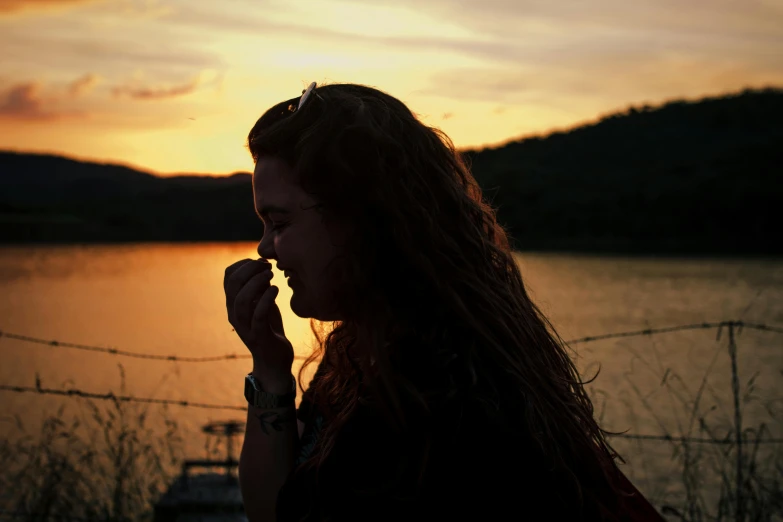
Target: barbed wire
124, 353
233, 356
669, 329
73, 392
124, 398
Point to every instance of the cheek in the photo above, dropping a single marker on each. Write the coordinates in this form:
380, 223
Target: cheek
283, 249
293, 250
307, 250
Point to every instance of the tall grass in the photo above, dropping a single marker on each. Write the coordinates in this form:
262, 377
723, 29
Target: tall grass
106, 463
723, 470
109, 464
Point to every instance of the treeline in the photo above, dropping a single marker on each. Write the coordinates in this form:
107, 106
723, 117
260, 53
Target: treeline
54, 199
697, 177
686, 177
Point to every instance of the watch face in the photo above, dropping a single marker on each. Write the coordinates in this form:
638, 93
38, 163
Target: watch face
249, 390
259, 398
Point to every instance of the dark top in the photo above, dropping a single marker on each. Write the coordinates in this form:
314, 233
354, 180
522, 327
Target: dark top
478, 469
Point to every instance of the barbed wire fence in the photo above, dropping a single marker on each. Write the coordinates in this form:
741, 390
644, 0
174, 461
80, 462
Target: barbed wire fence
736, 440
733, 327
234, 356
124, 353
73, 392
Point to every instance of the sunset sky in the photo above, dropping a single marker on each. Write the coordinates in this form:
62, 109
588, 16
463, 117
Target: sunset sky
174, 85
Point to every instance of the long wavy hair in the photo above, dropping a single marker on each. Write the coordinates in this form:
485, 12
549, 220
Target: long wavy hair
434, 305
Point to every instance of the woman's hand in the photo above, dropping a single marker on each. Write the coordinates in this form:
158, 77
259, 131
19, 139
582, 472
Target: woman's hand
252, 311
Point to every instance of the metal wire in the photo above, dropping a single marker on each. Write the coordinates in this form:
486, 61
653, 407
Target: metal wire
124, 398
72, 392
115, 351
232, 356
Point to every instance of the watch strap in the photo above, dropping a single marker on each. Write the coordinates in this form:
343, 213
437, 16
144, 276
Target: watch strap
259, 398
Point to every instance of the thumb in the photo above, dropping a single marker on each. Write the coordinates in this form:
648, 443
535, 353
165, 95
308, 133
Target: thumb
275, 319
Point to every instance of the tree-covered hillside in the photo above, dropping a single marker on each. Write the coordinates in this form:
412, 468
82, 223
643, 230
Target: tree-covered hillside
698, 177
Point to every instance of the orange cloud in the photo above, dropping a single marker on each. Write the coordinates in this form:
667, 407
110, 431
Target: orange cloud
26, 101
83, 85
14, 6
23, 102
157, 93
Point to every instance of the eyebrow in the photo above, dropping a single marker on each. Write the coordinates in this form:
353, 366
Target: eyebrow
268, 209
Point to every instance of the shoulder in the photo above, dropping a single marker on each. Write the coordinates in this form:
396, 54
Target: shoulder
465, 461
459, 441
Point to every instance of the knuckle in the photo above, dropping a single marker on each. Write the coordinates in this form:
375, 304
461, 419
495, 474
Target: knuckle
239, 311
240, 305
233, 267
244, 297
262, 310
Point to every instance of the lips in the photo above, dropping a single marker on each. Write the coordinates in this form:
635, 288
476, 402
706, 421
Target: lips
287, 274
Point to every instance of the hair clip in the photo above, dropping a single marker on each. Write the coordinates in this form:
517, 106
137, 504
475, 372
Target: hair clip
305, 95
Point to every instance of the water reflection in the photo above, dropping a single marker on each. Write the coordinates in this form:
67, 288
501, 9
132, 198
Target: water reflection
168, 299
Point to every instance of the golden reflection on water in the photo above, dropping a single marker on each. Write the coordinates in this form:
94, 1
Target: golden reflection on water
177, 287
168, 300
155, 298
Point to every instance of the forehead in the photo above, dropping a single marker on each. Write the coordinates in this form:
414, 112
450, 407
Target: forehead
274, 184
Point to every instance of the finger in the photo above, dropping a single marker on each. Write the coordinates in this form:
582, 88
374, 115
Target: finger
233, 268
231, 296
243, 304
264, 308
237, 274
239, 278
275, 319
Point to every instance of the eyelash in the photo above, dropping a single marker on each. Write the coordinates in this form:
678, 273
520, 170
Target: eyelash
277, 227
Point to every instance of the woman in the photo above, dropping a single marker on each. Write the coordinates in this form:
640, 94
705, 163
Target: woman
442, 392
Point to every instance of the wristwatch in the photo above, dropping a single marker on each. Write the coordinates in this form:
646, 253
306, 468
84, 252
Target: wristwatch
261, 399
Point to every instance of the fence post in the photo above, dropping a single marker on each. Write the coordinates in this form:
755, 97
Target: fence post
735, 389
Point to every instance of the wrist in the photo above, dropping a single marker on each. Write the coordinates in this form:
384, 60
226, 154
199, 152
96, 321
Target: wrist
273, 382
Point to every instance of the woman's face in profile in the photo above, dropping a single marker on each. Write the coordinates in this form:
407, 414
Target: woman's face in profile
297, 238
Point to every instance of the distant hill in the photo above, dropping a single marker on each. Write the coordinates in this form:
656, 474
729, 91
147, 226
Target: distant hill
50, 198
701, 177
687, 177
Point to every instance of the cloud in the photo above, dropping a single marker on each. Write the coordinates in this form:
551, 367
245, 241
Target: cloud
613, 80
84, 48
23, 101
518, 18
30, 101
498, 50
83, 85
155, 93
16, 6
531, 31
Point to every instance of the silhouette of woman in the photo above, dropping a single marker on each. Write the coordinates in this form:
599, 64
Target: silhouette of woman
442, 392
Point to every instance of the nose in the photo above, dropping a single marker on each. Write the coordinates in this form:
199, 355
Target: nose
266, 248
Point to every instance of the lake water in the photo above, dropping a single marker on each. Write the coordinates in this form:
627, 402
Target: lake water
168, 300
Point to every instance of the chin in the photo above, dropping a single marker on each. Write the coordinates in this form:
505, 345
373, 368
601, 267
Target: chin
306, 310
301, 308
